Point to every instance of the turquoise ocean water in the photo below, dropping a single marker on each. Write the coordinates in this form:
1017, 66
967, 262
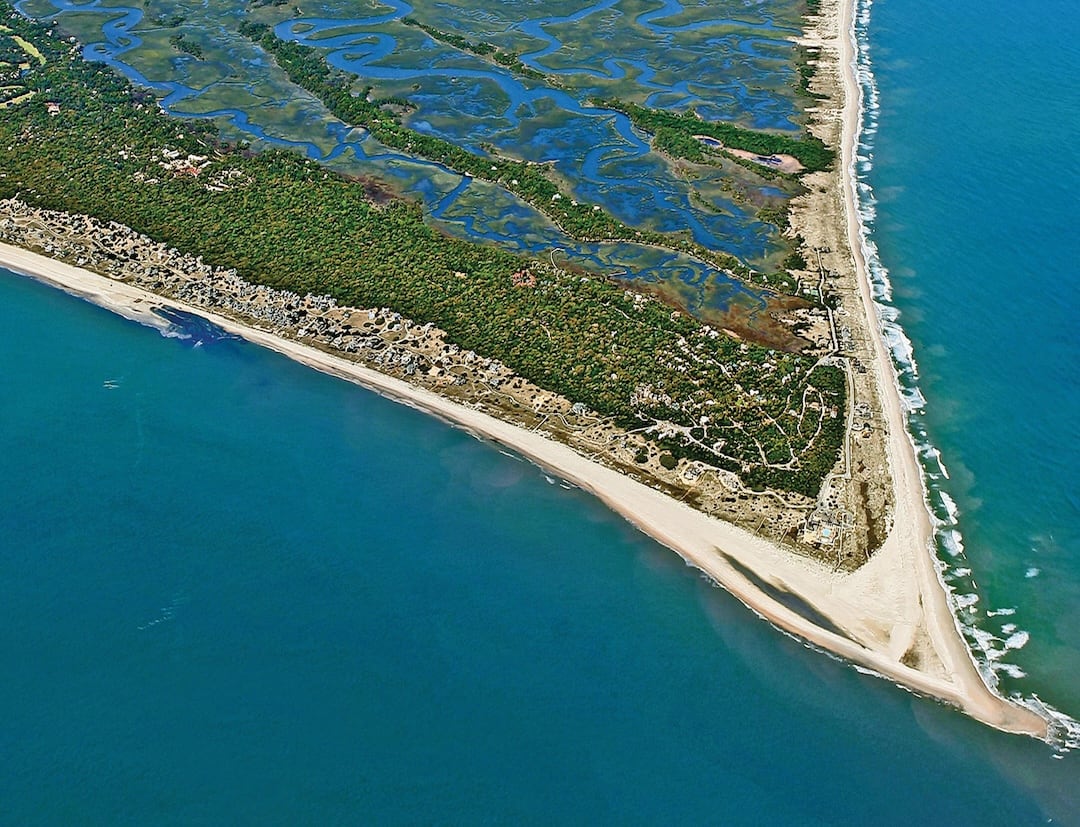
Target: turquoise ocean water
239, 591
972, 210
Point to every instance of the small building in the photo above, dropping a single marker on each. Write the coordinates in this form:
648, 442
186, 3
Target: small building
523, 278
823, 535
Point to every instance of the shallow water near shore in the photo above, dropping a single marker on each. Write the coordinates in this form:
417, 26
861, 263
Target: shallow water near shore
307, 617
974, 196
239, 589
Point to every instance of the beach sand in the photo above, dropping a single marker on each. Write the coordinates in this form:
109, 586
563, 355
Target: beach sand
878, 607
890, 616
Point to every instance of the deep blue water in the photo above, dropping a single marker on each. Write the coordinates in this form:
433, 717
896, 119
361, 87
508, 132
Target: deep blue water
976, 188
238, 590
235, 590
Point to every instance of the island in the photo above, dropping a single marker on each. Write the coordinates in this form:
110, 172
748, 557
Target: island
769, 450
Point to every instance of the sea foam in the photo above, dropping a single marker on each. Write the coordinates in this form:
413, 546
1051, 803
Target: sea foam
988, 648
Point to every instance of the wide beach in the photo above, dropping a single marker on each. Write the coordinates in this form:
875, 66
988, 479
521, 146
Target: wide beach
891, 616
877, 609
912, 536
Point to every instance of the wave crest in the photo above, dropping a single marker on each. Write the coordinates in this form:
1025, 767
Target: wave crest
988, 648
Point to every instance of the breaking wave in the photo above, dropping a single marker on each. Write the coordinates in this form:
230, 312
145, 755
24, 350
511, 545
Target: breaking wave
989, 647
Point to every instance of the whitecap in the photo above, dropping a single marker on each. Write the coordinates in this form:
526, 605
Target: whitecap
947, 501
912, 400
1010, 669
1064, 731
951, 542
1017, 640
984, 640
967, 601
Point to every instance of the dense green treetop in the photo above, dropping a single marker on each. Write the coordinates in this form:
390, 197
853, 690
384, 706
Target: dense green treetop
285, 221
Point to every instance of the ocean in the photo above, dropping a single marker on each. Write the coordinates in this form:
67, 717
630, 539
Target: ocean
240, 591
971, 210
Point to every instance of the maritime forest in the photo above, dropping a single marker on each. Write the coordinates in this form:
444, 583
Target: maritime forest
709, 380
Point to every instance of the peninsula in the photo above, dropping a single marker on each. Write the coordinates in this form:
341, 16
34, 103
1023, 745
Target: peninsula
786, 475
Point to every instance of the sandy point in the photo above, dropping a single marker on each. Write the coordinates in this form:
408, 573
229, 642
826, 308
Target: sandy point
876, 613
891, 616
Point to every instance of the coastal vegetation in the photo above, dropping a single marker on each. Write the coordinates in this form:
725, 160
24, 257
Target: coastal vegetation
806, 58
187, 46
482, 49
683, 136
532, 182
677, 140
673, 134
682, 129
88, 142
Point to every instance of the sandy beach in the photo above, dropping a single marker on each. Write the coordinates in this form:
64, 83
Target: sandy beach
911, 541
890, 616
877, 608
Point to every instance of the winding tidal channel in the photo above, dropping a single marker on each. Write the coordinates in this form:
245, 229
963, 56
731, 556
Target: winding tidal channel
727, 63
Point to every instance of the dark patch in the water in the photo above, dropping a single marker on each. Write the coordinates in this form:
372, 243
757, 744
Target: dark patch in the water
787, 599
191, 327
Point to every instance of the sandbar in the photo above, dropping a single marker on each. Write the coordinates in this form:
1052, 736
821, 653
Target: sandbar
891, 616
872, 606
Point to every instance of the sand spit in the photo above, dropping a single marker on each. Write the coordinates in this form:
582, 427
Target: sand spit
879, 608
891, 615
828, 218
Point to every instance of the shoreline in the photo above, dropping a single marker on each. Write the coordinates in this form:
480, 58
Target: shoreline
866, 605
911, 510
891, 615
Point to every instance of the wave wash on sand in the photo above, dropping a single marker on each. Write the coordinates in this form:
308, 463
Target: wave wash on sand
878, 608
891, 616
895, 350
